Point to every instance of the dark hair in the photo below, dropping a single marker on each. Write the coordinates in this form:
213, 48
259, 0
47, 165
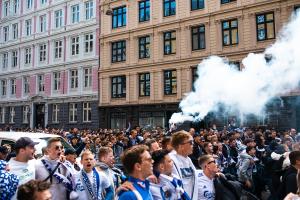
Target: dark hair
294, 156
149, 142
132, 156
158, 157
165, 142
27, 191
249, 148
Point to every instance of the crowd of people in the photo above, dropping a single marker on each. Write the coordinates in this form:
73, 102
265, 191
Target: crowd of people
207, 164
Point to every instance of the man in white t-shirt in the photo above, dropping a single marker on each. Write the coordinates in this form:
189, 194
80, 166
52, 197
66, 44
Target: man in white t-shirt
183, 167
205, 177
23, 164
90, 183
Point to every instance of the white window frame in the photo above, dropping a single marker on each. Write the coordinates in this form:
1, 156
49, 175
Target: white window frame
43, 23
5, 60
89, 43
55, 111
6, 8
58, 49
75, 13
14, 58
15, 6
87, 77
75, 46
87, 112
43, 2
26, 85
28, 26
5, 33
3, 88
2, 115
73, 112
58, 18
29, 4
41, 83
56, 81
42, 52
27, 56
13, 87
12, 115
15, 30
89, 9
25, 114
74, 79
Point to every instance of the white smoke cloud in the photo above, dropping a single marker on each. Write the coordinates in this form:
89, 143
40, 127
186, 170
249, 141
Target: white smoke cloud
249, 90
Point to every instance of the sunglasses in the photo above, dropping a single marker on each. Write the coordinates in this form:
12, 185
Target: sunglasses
213, 161
59, 147
191, 142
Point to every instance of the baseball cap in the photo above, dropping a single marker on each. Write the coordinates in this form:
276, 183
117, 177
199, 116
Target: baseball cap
69, 151
24, 142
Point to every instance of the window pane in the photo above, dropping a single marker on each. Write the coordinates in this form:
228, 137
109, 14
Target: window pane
270, 30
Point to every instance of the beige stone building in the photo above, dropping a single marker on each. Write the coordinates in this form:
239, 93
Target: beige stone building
149, 50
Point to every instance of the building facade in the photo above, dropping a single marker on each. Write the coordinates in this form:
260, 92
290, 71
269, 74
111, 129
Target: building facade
49, 60
150, 50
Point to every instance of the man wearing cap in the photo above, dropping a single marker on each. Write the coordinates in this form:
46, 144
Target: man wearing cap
23, 164
3, 152
71, 160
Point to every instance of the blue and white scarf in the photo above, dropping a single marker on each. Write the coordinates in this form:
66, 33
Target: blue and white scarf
8, 182
92, 188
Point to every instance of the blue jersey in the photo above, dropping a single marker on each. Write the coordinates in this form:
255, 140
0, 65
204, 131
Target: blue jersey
142, 187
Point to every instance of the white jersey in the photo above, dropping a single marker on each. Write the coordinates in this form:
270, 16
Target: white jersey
206, 189
80, 188
184, 169
24, 170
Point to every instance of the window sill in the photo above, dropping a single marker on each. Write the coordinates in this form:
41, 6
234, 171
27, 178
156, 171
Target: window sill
87, 122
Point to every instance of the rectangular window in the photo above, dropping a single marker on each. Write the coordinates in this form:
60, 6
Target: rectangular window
43, 48
118, 51
58, 18
170, 42
58, 49
119, 17
197, 4
56, 81
5, 60
226, 1
118, 87
144, 11
144, 47
169, 7
87, 112
28, 27
6, 8
198, 37
2, 115
29, 4
75, 13
43, 2
230, 32
75, 45
73, 112
265, 26
15, 31
3, 87
27, 55
15, 58
42, 23
89, 8
13, 87
144, 84
194, 77
55, 111
88, 77
5, 33
15, 6
41, 83
74, 79
170, 82
26, 85
12, 114
88, 43
25, 114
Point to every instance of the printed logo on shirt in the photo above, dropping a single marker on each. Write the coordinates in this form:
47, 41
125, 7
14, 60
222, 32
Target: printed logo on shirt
208, 195
187, 172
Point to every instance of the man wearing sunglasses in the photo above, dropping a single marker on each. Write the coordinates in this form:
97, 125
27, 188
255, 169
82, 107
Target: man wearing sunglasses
183, 167
50, 169
206, 189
